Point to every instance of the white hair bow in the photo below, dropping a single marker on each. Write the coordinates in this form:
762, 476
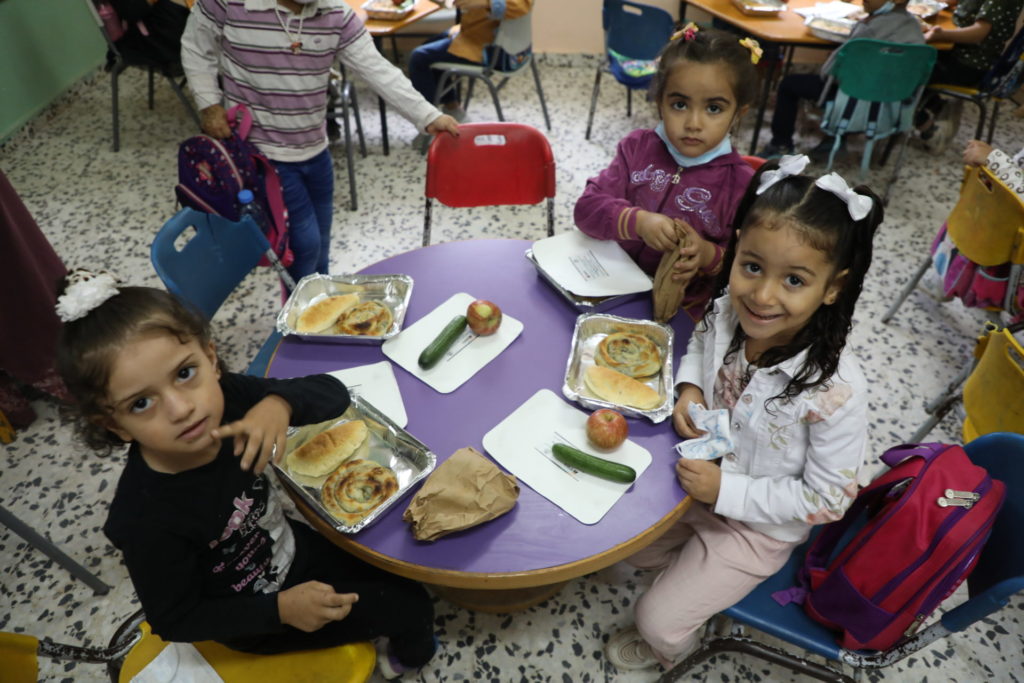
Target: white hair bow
85, 291
858, 204
789, 164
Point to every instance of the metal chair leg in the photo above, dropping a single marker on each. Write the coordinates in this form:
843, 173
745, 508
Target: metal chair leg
426, 223
359, 120
44, 545
494, 98
551, 217
896, 168
935, 419
951, 389
349, 153
114, 73
177, 88
540, 92
757, 649
593, 102
629, 102
992, 121
907, 289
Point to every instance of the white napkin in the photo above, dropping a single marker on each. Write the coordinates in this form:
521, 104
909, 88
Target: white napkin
376, 383
178, 663
590, 267
829, 10
716, 440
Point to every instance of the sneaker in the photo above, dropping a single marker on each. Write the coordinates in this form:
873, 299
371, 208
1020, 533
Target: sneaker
774, 151
421, 143
627, 651
819, 153
387, 664
937, 138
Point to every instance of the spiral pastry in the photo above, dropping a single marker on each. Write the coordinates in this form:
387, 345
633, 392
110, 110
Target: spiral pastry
356, 488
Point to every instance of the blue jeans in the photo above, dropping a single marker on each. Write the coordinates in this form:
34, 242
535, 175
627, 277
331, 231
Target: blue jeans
424, 78
308, 188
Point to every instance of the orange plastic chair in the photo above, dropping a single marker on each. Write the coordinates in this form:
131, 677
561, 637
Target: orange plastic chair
490, 164
134, 646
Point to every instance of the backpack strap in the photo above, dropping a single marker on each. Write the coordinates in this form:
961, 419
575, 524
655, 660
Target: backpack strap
240, 119
928, 451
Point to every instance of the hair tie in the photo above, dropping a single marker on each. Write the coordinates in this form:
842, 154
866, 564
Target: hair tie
789, 164
85, 291
687, 32
755, 49
858, 204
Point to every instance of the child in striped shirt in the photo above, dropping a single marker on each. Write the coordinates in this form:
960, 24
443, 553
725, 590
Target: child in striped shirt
275, 56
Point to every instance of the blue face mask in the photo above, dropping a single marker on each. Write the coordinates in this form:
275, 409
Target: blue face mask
884, 9
723, 147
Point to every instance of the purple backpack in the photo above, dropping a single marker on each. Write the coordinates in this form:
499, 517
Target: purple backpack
211, 173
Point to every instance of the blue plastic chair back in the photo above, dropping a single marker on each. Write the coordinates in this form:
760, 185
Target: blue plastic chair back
635, 30
212, 263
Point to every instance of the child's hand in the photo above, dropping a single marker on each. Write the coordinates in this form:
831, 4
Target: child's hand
308, 606
699, 478
690, 393
698, 253
260, 434
214, 122
657, 231
444, 124
933, 34
976, 153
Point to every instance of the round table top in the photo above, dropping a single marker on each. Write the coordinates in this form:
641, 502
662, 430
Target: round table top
536, 542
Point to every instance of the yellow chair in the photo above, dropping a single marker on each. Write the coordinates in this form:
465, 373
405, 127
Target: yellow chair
134, 646
987, 227
993, 393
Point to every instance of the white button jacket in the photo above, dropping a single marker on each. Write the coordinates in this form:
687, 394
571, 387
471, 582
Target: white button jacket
796, 461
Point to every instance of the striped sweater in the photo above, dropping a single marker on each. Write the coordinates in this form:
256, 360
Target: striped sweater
248, 44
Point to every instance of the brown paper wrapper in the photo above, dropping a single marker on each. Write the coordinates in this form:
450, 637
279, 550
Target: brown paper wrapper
668, 295
465, 490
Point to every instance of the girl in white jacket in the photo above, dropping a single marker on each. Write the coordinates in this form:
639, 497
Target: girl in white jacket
772, 352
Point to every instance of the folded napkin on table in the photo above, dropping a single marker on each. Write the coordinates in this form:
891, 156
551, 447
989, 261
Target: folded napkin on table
465, 490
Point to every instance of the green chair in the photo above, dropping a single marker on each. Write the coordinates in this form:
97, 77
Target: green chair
878, 85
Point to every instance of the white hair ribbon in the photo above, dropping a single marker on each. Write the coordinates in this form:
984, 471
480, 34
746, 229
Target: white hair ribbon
789, 164
85, 291
858, 204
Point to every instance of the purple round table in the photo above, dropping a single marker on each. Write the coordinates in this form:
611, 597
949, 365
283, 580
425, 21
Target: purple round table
536, 544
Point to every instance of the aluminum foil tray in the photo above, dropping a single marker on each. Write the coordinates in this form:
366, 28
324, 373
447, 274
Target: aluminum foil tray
836, 30
583, 304
925, 9
590, 329
386, 443
387, 10
760, 8
394, 291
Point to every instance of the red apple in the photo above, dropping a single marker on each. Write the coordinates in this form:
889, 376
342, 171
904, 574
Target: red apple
484, 317
607, 429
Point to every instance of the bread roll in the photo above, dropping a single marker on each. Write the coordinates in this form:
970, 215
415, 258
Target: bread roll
614, 387
370, 318
357, 488
631, 354
320, 316
328, 449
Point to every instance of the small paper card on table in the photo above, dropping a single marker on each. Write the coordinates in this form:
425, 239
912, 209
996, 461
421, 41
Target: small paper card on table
376, 383
463, 359
589, 267
522, 443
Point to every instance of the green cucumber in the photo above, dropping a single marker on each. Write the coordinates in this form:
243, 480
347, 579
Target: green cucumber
591, 464
435, 349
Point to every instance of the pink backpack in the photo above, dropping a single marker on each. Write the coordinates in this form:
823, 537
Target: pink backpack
211, 173
921, 525
976, 286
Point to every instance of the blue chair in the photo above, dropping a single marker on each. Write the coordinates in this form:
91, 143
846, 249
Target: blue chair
206, 269
634, 32
998, 576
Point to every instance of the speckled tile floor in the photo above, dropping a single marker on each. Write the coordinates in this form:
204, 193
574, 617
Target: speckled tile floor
101, 208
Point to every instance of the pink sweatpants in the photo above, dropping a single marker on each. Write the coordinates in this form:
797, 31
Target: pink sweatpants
711, 563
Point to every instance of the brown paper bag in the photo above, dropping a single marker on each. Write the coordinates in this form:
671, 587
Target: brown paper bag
668, 295
466, 490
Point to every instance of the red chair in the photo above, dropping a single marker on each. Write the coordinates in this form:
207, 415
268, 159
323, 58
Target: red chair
490, 164
754, 162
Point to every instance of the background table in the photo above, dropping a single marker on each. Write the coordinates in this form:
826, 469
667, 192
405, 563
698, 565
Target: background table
785, 29
378, 30
537, 546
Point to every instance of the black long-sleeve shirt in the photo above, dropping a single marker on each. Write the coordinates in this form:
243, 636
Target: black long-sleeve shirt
208, 548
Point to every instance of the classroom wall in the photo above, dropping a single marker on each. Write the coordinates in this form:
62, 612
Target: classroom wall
46, 46
574, 26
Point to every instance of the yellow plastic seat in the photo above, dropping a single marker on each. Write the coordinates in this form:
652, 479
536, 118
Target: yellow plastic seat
134, 646
994, 391
987, 227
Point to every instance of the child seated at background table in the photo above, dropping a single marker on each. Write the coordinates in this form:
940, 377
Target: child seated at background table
772, 351
685, 172
887, 20
204, 536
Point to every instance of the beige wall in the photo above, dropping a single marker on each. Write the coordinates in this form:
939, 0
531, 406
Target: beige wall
575, 25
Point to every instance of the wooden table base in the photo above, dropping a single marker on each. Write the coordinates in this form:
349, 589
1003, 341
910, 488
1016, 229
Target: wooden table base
498, 601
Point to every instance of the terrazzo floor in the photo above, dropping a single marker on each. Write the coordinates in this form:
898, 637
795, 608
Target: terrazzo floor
100, 209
